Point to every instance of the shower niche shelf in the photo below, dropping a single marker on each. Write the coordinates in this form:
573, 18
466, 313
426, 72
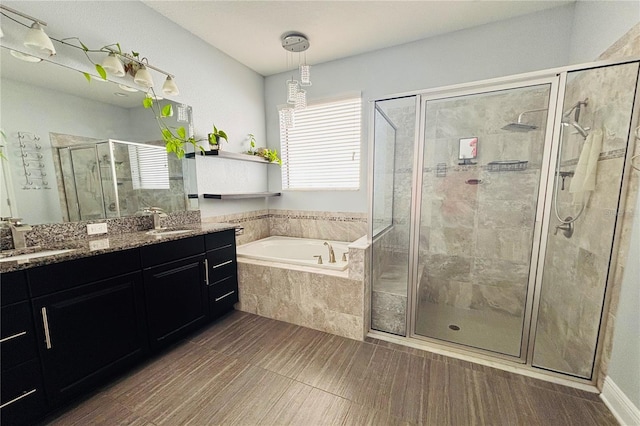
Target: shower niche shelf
507, 166
231, 156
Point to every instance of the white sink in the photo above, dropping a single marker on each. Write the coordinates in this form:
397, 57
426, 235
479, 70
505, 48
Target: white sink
29, 256
161, 233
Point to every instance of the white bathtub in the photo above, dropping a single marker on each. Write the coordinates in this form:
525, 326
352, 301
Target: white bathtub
298, 251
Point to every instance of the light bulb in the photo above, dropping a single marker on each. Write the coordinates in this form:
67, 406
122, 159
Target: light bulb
113, 66
169, 87
36, 38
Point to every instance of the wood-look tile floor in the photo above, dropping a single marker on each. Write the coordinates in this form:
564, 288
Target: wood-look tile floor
249, 370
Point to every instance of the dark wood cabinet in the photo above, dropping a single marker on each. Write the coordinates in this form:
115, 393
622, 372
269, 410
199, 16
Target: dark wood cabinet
222, 272
88, 331
22, 398
71, 326
175, 289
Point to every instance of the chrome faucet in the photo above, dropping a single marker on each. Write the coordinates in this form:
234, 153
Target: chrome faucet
18, 231
156, 213
332, 255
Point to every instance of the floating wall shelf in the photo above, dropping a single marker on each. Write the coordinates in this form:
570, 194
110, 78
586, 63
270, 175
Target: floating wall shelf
242, 196
231, 156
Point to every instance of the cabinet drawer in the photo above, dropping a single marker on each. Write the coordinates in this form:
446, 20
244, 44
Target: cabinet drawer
221, 279
22, 394
219, 239
17, 339
159, 254
221, 256
223, 296
13, 287
65, 275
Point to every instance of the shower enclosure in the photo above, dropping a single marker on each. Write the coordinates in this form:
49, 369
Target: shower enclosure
494, 210
113, 178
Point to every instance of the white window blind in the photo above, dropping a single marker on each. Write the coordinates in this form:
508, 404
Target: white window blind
149, 167
322, 149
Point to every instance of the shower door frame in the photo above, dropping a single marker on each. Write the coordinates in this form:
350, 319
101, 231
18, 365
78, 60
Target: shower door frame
416, 206
522, 364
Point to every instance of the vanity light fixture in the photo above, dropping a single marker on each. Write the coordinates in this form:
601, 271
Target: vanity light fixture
169, 87
113, 65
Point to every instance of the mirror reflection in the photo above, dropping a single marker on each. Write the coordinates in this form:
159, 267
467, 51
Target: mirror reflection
78, 150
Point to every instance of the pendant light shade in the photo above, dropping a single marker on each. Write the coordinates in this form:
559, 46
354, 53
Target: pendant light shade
292, 89
37, 39
301, 100
305, 75
24, 56
143, 77
169, 87
113, 66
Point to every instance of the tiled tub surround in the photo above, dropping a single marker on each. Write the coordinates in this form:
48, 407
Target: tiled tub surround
337, 302
332, 301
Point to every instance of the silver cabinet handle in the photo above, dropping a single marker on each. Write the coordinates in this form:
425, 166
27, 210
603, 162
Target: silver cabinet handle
206, 271
226, 295
13, 336
222, 264
45, 322
24, 395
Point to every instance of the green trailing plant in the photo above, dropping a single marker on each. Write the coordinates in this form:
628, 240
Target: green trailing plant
3, 139
109, 48
216, 135
252, 145
271, 155
175, 139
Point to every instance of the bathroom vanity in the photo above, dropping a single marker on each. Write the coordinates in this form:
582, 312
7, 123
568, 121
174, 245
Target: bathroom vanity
71, 323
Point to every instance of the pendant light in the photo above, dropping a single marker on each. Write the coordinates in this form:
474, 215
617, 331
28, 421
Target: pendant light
113, 66
37, 39
169, 87
143, 77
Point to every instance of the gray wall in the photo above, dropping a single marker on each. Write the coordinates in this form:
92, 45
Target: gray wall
523, 44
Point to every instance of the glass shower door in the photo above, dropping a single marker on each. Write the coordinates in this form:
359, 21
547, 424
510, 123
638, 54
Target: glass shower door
482, 165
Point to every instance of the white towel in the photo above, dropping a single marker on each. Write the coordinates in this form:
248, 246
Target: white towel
584, 178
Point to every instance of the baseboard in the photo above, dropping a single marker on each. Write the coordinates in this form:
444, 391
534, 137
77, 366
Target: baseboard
622, 408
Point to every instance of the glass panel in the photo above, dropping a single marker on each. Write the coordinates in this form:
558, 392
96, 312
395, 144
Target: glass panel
597, 114
86, 183
482, 162
394, 141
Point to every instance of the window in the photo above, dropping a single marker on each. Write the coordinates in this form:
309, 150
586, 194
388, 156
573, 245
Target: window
322, 149
149, 167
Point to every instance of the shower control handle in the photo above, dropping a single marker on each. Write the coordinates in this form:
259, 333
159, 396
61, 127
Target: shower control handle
319, 258
566, 228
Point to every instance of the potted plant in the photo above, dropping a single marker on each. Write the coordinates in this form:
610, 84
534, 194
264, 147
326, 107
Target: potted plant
214, 138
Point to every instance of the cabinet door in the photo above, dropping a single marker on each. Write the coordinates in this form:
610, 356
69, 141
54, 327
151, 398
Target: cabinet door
89, 332
176, 299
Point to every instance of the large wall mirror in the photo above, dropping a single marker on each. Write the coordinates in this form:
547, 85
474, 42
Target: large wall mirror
82, 150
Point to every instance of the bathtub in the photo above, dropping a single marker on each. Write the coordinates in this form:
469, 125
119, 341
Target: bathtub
297, 251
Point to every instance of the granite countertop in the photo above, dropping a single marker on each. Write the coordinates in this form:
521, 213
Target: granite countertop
105, 243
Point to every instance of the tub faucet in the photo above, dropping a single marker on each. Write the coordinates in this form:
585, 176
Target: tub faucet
18, 231
332, 255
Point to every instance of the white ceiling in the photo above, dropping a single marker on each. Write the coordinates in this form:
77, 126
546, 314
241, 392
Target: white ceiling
250, 31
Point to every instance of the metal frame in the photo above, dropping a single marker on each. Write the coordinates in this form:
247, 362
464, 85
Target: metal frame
557, 78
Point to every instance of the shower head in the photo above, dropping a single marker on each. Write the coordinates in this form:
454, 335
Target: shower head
519, 127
